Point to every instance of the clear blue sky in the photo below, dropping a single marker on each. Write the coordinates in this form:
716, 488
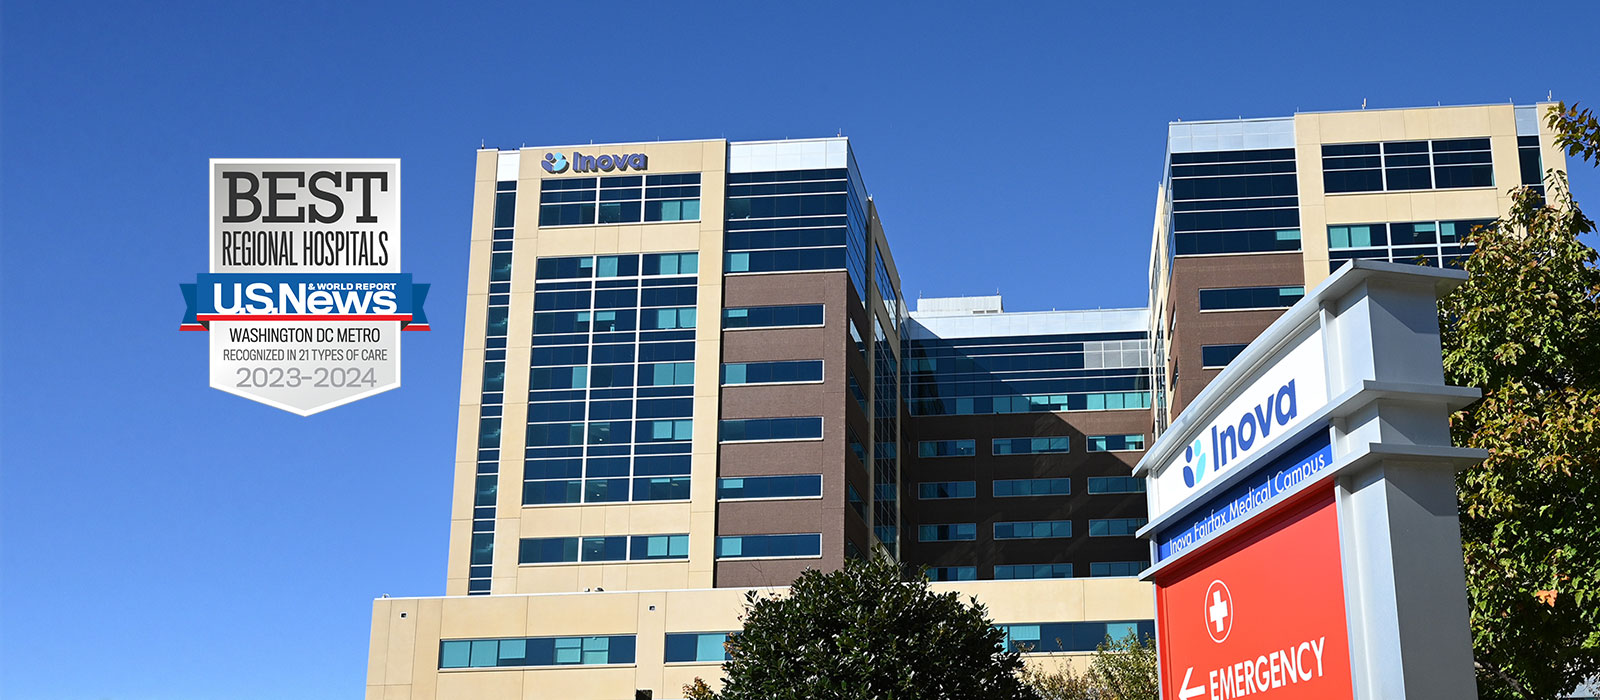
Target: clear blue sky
165, 540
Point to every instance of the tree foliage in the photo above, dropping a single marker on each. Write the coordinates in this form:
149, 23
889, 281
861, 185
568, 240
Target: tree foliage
1525, 328
1122, 669
866, 631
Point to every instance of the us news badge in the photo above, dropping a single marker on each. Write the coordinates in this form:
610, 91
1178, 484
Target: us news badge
305, 301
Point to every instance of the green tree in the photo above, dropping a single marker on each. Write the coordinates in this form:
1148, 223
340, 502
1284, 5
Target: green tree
1525, 328
1122, 669
866, 631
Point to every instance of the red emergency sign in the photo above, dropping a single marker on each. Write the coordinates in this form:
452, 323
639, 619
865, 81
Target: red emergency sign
1263, 616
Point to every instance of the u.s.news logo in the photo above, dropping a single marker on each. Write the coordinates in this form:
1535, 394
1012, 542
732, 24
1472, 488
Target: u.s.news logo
557, 163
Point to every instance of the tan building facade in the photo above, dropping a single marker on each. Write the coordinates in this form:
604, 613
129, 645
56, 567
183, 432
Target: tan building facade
412, 636
683, 379
1253, 212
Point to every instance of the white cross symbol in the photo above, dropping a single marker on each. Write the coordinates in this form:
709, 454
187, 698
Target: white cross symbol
1218, 603
1219, 610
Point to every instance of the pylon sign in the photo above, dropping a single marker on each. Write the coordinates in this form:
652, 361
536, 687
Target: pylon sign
1302, 508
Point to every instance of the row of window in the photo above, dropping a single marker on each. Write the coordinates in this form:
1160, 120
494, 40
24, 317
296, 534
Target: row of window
782, 372
536, 651
557, 550
1212, 356
608, 266
1407, 165
563, 550
711, 647
1438, 243
773, 316
1072, 636
1235, 298
1016, 488
1028, 446
1234, 202
1035, 571
1034, 403
760, 429
619, 200
1029, 529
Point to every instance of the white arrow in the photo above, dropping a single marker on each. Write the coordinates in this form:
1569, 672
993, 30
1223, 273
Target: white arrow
1185, 691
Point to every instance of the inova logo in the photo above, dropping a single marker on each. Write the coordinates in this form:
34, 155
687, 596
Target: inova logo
1238, 437
580, 163
1194, 463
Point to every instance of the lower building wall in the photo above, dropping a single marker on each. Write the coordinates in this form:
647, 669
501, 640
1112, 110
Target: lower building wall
404, 658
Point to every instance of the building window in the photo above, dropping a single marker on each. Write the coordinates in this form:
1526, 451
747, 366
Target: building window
1243, 298
947, 448
1050, 637
1016, 571
583, 201
853, 498
786, 372
1217, 356
1115, 484
1033, 530
1436, 243
790, 220
751, 487
536, 651
556, 550
698, 647
1116, 443
1531, 163
1115, 527
1029, 374
935, 490
1407, 165
952, 532
769, 429
1116, 568
657, 547
1031, 446
1234, 202
769, 546
1012, 488
952, 573
801, 315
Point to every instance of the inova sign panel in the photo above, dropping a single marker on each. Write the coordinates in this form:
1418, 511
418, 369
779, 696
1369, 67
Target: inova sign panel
1274, 404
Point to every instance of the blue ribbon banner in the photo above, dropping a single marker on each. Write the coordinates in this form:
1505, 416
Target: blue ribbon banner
1302, 465
304, 297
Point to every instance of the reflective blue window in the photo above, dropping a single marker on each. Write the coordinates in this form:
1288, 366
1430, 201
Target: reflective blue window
947, 448
653, 547
933, 490
1116, 568
789, 371
796, 486
952, 532
1033, 530
1031, 446
773, 316
1051, 637
952, 573
1115, 484
1115, 527
701, 647
1113, 443
1012, 488
753, 429
759, 546
1250, 298
1016, 571
1220, 355
536, 651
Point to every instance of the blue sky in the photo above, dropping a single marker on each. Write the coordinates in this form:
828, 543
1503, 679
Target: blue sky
160, 539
